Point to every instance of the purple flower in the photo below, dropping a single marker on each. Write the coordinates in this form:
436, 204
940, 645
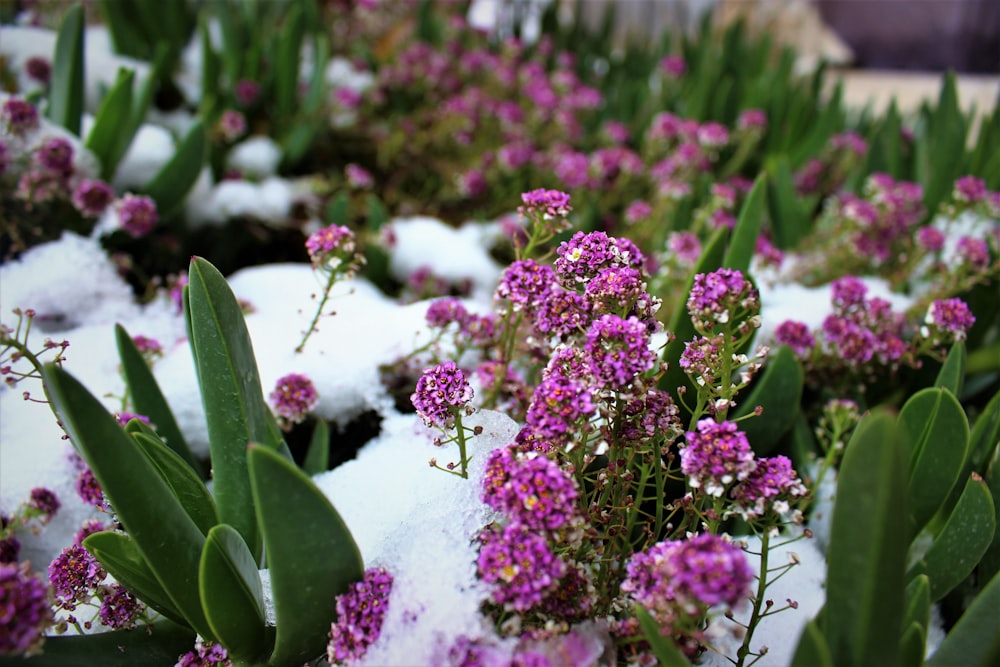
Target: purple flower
88, 528
10, 549
618, 350
770, 485
930, 238
974, 252
44, 503
702, 358
795, 335
119, 608
637, 211
19, 116
232, 125
125, 417
205, 654
547, 203
850, 142
519, 564
74, 574
39, 69
358, 177
584, 255
673, 66
719, 296
332, 247
685, 246
689, 575
716, 456
970, 190
713, 135
56, 155
651, 415
294, 396
137, 215
525, 284
441, 391
848, 293
562, 313
853, 343
91, 197
89, 489
557, 406
752, 119
950, 316
246, 91
442, 312
530, 489
360, 613
25, 612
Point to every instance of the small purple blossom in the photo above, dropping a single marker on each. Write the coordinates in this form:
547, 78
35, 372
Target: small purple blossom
549, 204
974, 252
530, 489
74, 574
205, 654
583, 255
519, 564
795, 335
332, 248
294, 396
232, 125
562, 313
119, 608
358, 177
125, 417
441, 391
10, 550
716, 297
91, 197
752, 119
930, 238
19, 116
618, 350
769, 487
713, 135
360, 613
25, 611
950, 316
88, 528
525, 284
39, 69
137, 215
637, 211
685, 246
246, 91
716, 456
43, 503
89, 489
446, 311
557, 406
673, 66
970, 190
56, 155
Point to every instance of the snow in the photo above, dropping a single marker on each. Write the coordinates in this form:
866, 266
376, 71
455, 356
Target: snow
256, 157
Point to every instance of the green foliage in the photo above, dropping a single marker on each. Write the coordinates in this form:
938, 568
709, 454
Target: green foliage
667, 654
66, 96
975, 639
171, 184
778, 392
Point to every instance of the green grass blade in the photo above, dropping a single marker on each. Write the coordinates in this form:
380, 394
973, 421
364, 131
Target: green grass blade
106, 139
778, 391
667, 654
311, 560
812, 649
975, 640
952, 373
744, 241
318, 455
171, 184
66, 91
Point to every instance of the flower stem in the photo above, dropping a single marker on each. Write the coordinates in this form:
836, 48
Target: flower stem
319, 312
758, 601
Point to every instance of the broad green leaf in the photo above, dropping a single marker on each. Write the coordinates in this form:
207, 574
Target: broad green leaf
161, 645
989, 564
232, 594
985, 434
168, 539
946, 145
338, 209
788, 220
778, 391
962, 542
286, 66
975, 640
149, 400
866, 554
918, 602
311, 560
744, 241
66, 87
952, 373
318, 455
935, 435
667, 654
107, 140
377, 215
812, 649
912, 645
231, 394
128, 37
122, 559
185, 484
171, 184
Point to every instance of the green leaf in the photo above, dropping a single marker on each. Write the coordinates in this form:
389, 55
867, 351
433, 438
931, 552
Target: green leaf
985, 434
172, 183
989, 564
186, 486
120, 648
912, 645
122, 559
318, 454
286, 70
107, 140
232, 594
778, 391
935, 436
962, 542
666, 652
149, 400
168, 539
231, 394
866, 556
918, 602
946, 145
66, 87
128, 38
311, 560
952, 373
788, 220
744, 241
337, 210
812, 650
975, 640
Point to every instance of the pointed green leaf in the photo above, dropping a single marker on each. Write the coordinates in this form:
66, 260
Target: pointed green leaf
231, 393
744, 241
168, 539
918, 602
985, 434
318, 454
935, 434
666, 652
912, 645
778, 391
232, 594
66, 87
812, 650
186, 486
171, 184
122, 559
867, 555
989, 564
946, 145
120, 648
311, 560
962, 542
286, 67
975, 640
107, 140
149, 400
952, 373
788, 220
128, 37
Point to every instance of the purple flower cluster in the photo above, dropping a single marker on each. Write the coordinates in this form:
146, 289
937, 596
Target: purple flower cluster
530, 489
74, 574
205, 654
294, 397
137, 215
562, 313
43, 503
333, 248
119, 608
688, 575
651, 415
25, 611
56, 155
525, 284
584, 255
950, 319
715, 456
91, 197
19, 116
720, 297
618, 350
795, 335
360, 613
520, 564
441, 391
970, 190
548, 204
768, 487
558, 405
